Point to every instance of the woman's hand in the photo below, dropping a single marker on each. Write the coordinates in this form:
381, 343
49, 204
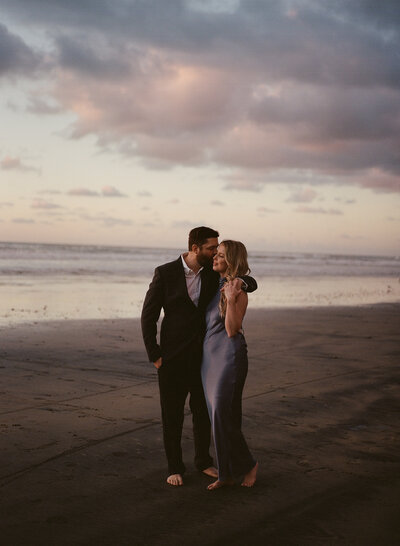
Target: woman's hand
236, 304
232, 289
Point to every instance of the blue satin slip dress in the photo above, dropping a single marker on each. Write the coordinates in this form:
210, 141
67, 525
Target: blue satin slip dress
223, 373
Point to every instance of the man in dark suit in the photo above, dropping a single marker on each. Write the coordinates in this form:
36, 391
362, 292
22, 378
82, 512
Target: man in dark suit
183, 288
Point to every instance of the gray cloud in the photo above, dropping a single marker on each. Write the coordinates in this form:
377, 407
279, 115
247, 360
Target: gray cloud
83, 192
144, 193
106, 221
243, 183
185, 224
23, 221
49, 192
318, 210
352, 237
254, 86
43, 106
336, 114
265, 210
15, 56
43, 204
94, 58
106, 191
303, 195
335, 37
345, 201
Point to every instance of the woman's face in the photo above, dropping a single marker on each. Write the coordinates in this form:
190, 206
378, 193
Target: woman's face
219, 263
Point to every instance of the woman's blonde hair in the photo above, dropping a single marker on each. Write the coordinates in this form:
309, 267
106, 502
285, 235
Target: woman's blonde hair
236, 260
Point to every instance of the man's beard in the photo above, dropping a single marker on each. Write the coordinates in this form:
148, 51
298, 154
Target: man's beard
204, 261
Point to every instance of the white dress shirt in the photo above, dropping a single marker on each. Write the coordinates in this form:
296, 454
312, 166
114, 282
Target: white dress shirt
193, 282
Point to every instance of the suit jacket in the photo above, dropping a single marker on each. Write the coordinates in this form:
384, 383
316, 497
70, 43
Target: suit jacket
183, 325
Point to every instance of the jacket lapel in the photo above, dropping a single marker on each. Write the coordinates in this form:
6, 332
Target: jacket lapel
209, 284
208, 287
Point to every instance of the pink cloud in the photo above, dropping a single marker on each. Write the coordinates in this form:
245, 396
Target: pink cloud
378, 180
9, 163
110, 191
169, 110
187, 114
278, 87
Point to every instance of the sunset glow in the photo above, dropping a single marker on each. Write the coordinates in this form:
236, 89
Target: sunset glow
127, 123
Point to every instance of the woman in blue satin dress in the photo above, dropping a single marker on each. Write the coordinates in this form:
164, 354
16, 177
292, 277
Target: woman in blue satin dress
224, 368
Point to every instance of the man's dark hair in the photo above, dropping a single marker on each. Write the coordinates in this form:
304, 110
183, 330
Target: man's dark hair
199, 235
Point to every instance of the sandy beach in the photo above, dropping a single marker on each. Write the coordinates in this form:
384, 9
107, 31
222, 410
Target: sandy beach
82, 460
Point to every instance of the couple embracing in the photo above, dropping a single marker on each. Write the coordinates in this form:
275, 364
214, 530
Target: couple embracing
202, 353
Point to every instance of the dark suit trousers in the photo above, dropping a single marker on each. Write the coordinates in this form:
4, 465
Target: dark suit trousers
177, 379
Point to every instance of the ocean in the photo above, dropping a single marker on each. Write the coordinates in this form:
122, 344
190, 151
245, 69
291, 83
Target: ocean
48, 281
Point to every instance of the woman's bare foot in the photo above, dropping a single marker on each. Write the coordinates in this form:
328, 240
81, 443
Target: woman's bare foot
218, 484
211, 471
250, 478
175, 479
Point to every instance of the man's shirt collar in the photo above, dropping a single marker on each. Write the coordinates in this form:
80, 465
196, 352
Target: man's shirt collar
189, 272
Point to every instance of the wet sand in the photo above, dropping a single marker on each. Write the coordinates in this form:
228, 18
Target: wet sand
82, 461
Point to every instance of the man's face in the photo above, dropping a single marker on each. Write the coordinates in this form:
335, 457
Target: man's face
206, 252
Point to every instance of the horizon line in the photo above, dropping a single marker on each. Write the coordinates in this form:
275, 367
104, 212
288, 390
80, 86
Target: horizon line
306, 252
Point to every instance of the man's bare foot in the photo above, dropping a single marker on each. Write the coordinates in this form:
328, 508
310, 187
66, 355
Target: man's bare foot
250, 478
211, 471
175, 479
218, 484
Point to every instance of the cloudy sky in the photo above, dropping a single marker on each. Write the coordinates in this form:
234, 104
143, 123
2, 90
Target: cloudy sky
127, 122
